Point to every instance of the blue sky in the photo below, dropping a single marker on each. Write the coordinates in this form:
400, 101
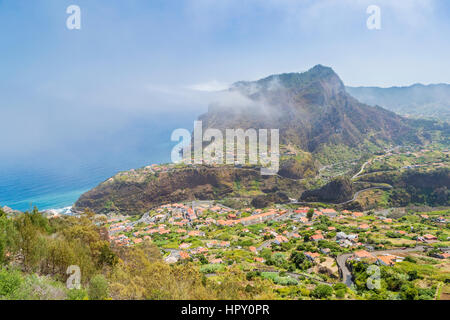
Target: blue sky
184, 42
76, 106
136, 58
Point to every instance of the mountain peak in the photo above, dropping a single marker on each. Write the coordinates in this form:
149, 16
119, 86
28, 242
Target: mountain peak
321, 69
319, 74
311, 109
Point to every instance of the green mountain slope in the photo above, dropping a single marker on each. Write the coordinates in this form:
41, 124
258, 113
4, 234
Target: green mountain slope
310, 109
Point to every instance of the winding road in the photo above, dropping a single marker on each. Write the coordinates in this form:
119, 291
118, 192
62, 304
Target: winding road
355, 196
362, 169
345, 273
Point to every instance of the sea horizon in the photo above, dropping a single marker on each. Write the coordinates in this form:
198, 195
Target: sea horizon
55, 181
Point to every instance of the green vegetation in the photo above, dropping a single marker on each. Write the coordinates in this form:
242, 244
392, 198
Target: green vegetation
36, 252
399, 282
284, 281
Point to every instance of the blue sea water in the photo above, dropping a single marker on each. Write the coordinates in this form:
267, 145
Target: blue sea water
53, 180
54, 188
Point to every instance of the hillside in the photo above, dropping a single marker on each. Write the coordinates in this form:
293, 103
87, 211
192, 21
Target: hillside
418, 100
420, 186
318, 121
336, 191
137, 191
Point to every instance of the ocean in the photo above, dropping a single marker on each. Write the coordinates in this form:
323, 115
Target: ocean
51, 188
53, 180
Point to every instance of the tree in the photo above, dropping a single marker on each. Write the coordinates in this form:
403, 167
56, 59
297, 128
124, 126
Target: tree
142, 274
278, 259
310, 214
107, 256
409, 293
7, 236
202, 259
265, 253
412, 275
297, 258
27, 226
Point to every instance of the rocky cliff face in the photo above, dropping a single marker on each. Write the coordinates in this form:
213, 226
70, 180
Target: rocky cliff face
310, 109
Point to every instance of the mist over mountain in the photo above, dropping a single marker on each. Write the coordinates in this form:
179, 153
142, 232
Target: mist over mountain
310, 109
418, 100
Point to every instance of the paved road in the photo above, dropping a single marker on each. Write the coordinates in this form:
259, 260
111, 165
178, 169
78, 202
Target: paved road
346, 275
265, 244
355, 196
369, 161
301, 179
345, 272
362, 169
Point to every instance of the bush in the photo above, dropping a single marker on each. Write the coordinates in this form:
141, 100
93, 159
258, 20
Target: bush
410, 259
211, 268
77, 294
284, 281
10, 281
412, 275
36, 287
278, 259
322, 291
409, 293
426, 294
340, 286
340, 293
305, 292
252, 274
98, 288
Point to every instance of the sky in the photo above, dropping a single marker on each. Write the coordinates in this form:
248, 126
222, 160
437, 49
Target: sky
158, 62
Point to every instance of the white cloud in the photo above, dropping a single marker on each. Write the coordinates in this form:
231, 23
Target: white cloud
210, 86
308, 12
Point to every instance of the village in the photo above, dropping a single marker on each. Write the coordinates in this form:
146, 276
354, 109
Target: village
215, 236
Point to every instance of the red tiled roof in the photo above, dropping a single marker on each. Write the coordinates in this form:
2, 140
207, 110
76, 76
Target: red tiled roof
184, 255
312, 255
363, 254
317, 237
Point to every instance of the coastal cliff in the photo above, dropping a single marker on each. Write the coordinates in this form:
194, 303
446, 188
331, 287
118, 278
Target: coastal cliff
137, 191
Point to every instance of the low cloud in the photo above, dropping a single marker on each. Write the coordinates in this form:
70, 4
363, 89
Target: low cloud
210, 86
